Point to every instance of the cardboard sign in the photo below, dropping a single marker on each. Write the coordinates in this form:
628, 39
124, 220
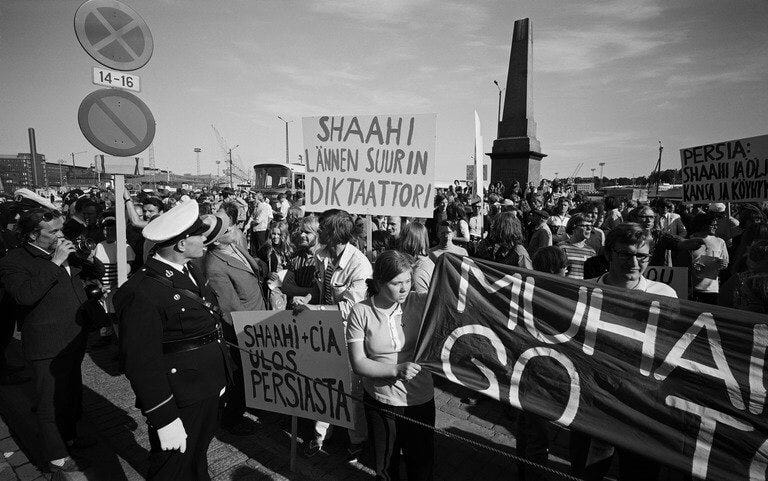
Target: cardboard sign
731, 171
113, 34
674, 277
297, 365
116, 122
372, 164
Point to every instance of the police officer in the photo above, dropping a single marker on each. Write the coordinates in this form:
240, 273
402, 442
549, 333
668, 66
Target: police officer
171, 345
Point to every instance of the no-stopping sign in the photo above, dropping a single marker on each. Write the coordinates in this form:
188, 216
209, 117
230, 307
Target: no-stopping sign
116, 122
113, 34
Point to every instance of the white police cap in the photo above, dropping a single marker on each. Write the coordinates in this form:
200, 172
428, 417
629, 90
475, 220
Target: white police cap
178, 223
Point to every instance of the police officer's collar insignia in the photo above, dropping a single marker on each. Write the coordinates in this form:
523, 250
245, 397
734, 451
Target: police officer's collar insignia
176, 297
168, 273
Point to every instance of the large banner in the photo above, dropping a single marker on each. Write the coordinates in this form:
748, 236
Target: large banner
680, 382
370, 164
731, 171
296, 365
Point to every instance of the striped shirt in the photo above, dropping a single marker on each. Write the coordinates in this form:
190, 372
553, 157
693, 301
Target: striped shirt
577, 254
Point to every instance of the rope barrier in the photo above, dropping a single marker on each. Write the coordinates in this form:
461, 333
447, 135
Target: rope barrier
442, 432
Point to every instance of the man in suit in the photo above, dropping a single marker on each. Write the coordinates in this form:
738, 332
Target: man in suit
45, 278
171, 346
237, 278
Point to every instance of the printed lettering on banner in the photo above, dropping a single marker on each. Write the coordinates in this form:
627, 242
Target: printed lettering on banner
674, 277
730, 171
370, 164
678, 382
296, 365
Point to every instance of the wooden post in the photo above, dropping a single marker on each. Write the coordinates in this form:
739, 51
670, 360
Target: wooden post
294, 430
368, 234
122, 239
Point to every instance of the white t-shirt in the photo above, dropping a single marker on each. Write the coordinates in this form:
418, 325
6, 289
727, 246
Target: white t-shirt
646, 285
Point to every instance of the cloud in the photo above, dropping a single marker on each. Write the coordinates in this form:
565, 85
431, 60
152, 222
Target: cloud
631, 10
577, 50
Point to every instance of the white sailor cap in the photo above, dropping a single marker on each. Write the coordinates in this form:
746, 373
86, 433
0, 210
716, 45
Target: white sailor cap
178, 223
26, 194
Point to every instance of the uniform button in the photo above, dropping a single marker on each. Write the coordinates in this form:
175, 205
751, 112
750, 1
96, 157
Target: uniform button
218, 340
173, 370
218, 325
211, 312
182, 309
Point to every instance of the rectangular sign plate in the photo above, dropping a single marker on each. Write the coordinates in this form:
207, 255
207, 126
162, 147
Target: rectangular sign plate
113, 78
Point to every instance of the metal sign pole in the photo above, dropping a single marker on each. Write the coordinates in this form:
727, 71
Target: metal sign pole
122, 239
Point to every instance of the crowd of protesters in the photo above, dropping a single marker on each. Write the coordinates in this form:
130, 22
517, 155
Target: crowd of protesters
58, 276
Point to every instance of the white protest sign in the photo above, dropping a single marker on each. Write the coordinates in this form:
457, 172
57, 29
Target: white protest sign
731, 171
107, 164
674, 277
297, 365
370, 164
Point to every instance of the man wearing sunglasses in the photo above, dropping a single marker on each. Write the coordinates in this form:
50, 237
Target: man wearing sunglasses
40, 279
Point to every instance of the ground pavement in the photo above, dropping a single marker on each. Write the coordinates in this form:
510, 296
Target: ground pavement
121, 454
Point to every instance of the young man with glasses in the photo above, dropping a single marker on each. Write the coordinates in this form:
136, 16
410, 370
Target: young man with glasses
627, 250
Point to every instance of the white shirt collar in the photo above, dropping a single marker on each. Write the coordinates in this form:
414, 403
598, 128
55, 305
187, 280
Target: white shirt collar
178, 267
39, 248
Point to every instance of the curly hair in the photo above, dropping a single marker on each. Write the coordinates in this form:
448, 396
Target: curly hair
506, 230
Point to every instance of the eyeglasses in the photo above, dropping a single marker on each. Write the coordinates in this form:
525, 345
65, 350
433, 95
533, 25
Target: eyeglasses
624, 255
585, 226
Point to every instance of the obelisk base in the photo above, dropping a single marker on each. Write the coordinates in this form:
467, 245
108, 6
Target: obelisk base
516, 158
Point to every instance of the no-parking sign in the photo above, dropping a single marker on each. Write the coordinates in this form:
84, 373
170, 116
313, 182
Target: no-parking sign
116, 122
113, 34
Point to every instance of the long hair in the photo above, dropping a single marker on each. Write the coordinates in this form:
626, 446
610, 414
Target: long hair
310, 223
284, 250
506, 230
414, 239
388, 265
551, 259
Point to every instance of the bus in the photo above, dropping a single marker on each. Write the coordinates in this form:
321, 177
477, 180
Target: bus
272, 179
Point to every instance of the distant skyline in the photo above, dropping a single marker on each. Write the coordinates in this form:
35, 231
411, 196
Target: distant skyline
610, 78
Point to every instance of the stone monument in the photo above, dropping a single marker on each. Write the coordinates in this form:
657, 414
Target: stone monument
516, 152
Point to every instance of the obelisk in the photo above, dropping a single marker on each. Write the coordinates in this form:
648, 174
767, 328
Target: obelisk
516, 153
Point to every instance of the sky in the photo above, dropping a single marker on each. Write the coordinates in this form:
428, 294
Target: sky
610, 78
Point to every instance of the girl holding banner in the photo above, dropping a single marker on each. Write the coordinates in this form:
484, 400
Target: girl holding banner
381, 335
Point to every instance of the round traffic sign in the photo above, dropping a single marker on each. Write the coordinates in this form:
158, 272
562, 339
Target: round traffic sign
113, 34
116, 122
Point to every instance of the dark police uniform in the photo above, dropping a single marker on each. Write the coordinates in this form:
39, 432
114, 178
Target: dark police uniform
174, 357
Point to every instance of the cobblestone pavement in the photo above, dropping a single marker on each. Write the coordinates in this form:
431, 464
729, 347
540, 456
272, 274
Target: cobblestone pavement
121, 454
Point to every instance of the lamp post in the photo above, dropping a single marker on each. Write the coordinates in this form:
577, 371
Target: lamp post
498, 117
231, 183
286, 137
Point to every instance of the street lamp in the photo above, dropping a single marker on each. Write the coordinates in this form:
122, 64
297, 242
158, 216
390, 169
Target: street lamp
498, 117
286, 137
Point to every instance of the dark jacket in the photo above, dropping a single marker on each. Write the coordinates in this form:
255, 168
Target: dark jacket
151, 313
50, 300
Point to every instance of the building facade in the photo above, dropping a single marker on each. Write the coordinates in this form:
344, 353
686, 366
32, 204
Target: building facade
16, 171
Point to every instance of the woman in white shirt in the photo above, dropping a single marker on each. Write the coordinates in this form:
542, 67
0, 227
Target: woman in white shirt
708, 260
381, 335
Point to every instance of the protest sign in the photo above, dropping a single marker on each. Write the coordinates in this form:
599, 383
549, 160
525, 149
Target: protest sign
373, 164
679, 382
674, 277
731, 171
296, 365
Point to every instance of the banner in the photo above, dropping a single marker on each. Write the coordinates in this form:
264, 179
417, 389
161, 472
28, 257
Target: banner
731, 171
371, 164
679, 382
281, 347
674, 277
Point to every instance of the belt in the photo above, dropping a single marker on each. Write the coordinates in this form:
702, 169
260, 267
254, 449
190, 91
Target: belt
182, 345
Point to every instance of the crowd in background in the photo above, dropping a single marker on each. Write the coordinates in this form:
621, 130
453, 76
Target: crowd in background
275, 255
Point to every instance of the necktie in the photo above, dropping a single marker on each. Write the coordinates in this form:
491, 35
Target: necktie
185, 271
327, 289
